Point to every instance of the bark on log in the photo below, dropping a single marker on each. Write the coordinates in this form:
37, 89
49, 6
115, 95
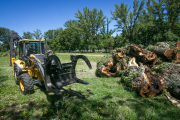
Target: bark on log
113, 66
177, 57
160, 48
178, 46
157, 83
118, 54
141, 82
178, 53
148, 84
163, 51
111, 69
174, 85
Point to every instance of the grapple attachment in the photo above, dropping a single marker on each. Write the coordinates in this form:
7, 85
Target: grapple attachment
57, 75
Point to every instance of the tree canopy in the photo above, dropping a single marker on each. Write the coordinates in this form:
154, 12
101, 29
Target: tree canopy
148, 23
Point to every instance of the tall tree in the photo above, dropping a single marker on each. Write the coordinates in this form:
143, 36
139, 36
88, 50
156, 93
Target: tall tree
49, 34
69, 39
173, 14
127, 20
90, 22
27, 35
57, 32
37, 34
70, 23
5, 35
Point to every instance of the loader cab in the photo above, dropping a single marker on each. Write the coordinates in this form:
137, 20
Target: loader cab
27, 47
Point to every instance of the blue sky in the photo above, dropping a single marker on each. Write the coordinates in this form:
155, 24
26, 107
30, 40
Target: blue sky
28, 15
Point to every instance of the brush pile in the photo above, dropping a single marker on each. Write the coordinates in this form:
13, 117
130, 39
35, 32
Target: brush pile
148, 71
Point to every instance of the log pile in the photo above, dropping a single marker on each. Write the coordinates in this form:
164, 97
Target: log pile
178, 53
166, 52
140, 68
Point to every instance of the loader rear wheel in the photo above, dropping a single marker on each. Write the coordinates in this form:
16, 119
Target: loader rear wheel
16, 77
26, 84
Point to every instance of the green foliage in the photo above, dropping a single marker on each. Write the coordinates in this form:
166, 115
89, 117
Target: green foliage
53, 34
120, 41
90, 22
127, 21
69, 39
27, 35
163, 65
103, 60
5, 35
108, 44
49, 34
126, 77
37, 34
70, 23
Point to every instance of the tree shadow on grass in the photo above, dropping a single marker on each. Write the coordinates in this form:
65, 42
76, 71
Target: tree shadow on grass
157, 107
70, 105
153, 108
76, 105
3, 78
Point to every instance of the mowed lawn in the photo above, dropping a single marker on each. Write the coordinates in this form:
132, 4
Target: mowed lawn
102, 98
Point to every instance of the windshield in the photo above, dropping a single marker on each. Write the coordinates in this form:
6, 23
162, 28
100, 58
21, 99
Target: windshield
32, 47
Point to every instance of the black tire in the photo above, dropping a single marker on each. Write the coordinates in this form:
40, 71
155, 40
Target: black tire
26, 83
16, 76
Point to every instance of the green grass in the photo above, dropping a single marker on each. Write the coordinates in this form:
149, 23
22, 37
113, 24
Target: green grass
102, 98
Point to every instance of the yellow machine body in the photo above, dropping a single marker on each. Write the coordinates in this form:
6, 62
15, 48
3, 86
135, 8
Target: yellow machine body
32, 71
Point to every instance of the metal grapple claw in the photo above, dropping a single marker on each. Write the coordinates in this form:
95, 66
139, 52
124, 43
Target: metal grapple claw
57, 75
75, 58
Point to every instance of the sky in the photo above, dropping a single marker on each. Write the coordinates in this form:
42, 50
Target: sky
29, 15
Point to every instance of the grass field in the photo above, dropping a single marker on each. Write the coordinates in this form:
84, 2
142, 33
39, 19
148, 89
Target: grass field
102, 98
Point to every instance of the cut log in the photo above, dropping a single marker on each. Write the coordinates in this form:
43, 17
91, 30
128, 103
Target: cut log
157, 83
160, 48
141, 82
174, 85
142, 55
170, 54
177, 57
178, 53
118, 54
111, 69
148, 84
178, 46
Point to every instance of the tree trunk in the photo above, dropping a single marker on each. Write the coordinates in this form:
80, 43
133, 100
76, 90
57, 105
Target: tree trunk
93, 50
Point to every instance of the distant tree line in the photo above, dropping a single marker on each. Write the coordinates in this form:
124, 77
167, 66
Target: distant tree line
148, 23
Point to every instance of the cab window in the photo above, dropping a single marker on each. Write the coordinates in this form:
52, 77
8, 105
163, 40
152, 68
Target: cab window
20, 50
32, 47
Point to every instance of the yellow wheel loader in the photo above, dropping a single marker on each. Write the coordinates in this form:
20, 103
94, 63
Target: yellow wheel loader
34, 66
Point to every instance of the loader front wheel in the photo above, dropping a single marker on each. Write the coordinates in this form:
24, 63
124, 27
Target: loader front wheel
16, 77
26, 84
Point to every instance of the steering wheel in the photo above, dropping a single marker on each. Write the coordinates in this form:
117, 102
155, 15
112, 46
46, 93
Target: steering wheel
31, 51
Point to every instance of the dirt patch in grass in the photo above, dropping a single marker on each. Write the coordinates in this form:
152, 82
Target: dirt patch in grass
82, 70
78, 54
